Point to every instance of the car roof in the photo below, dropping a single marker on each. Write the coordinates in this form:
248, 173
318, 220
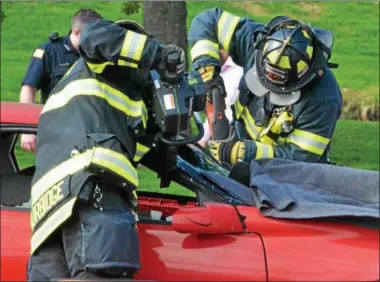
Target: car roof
20, 113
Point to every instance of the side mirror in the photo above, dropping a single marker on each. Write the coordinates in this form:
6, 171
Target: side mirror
214, 218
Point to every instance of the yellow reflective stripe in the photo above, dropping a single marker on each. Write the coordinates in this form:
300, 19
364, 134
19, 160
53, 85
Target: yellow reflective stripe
308, 141
126, 44
106, 158
144, 114
264, 151
250, 125
92, 87
133, 45
51, 224
127, 64
99, 68
226, 26
116, 163
133, 108
238, 108
141, 150
205, 47
59, 172
139, 47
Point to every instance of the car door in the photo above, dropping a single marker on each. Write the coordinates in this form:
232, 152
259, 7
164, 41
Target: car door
170, 255
15, 207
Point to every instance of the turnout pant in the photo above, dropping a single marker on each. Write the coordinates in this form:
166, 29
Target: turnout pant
94, 243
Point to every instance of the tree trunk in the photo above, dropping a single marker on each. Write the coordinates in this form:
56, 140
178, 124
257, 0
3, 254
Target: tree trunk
166, 21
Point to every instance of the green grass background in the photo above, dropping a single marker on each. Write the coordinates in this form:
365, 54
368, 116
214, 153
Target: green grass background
355, 26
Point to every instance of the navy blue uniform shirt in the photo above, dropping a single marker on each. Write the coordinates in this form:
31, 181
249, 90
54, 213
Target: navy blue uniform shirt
50, 61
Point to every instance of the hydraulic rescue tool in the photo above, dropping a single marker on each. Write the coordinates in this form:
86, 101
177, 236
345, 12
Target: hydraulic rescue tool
217, 120
174, 101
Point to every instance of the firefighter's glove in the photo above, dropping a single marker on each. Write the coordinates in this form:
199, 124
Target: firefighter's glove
212, 80
172, 63
232, 152
216, 83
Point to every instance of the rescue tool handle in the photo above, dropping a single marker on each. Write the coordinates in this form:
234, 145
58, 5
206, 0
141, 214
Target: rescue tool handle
220, 124
198, 122
173, 60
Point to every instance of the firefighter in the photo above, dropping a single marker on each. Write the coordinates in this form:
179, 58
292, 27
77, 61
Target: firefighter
289, 100
88, 147
49, 63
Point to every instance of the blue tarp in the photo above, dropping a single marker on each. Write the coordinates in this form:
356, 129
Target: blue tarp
288, 189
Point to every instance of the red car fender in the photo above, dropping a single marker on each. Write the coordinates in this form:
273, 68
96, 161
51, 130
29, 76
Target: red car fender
318, 250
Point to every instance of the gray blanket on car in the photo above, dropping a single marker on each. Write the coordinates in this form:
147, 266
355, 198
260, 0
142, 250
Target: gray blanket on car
289, 189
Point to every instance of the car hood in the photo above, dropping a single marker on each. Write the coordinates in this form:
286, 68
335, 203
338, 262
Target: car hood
318, 250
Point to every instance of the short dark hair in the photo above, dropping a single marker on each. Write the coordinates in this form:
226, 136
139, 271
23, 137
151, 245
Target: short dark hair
83, 16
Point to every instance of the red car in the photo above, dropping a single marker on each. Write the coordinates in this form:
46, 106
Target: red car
196, 238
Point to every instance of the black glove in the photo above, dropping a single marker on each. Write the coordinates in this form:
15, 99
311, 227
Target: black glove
172, 63
217, 83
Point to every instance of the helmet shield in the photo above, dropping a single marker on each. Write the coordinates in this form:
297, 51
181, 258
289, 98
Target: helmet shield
257, 88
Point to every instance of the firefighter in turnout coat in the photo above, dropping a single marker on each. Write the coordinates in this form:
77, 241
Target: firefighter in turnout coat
289, 100
88, 145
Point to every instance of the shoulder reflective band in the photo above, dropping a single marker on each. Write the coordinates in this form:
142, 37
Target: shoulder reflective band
203, 48
38, 53
51, 224
250, 125
92, 87
308, 141
226, 26
264, 151
133, 46
107, 159
99, 68
141, 150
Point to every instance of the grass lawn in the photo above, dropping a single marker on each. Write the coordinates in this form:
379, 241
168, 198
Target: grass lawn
356, 144
355, 26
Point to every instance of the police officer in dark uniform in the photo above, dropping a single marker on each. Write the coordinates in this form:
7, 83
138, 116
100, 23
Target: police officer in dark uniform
289, 99
50, 61
92, 132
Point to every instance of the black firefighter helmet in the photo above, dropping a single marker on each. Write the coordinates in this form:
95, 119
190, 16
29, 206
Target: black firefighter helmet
288, 56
